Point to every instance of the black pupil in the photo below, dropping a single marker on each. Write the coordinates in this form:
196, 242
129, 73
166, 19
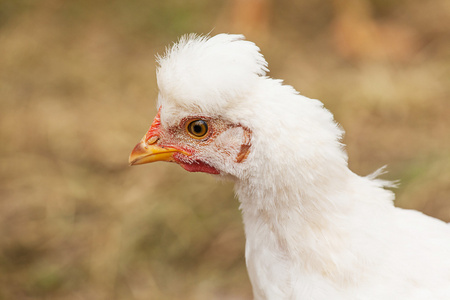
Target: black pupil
197, 128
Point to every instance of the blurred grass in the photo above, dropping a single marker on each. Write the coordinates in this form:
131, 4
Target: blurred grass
77, 90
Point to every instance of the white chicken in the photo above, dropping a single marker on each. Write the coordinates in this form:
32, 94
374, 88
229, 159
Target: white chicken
314, 229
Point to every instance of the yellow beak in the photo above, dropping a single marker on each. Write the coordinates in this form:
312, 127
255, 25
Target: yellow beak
147, 152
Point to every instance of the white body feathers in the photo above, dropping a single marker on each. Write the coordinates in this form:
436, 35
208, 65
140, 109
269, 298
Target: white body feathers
314, 229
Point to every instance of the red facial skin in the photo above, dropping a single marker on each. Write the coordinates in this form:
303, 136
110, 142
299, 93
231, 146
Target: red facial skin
195, 166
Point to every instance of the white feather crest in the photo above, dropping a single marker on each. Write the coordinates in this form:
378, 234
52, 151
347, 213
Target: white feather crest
209, 72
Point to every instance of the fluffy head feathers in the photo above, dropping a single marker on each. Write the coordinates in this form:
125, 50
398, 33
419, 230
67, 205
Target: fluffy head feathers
208, 74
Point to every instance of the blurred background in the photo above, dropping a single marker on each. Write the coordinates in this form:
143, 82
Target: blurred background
78, 90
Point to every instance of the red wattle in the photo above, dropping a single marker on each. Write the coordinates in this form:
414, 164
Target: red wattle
199, 167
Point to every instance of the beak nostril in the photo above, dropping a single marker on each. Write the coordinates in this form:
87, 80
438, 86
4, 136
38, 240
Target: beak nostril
152, 140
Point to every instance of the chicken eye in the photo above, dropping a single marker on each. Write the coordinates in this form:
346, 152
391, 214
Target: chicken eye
197, 129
